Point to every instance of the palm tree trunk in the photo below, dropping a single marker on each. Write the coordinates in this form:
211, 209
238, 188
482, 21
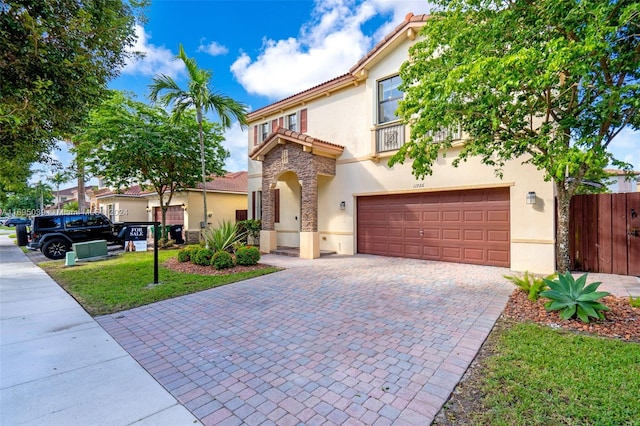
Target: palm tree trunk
202, 163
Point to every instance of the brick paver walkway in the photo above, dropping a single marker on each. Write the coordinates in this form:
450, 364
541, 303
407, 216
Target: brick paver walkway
357, 340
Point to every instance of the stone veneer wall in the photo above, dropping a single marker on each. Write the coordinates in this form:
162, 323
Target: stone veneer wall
306, 166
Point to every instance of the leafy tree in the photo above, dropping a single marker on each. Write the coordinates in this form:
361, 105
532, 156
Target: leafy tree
551, 82
56, 58
130, 142
27, 202
199, 97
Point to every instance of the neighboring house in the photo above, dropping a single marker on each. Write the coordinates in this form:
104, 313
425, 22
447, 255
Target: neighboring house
127, 205
620, 182
319, 179
226, 201
68, 195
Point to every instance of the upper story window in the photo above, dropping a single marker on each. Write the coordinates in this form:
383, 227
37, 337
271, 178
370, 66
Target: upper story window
264, 130
388, 96
292, 122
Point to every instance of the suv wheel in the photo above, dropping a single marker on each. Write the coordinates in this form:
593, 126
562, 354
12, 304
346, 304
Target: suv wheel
56, 248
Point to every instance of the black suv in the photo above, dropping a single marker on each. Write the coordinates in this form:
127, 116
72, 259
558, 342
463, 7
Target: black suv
54, 234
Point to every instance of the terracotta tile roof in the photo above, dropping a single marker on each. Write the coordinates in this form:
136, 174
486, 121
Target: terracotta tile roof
132, 191
301, 138
322, 87
411, 20
231, 182
616, 172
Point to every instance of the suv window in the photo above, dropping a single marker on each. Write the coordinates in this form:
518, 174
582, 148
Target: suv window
96, 220
48, 222
74, 221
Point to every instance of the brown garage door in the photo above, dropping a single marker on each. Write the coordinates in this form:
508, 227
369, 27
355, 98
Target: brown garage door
454, 226
175, 215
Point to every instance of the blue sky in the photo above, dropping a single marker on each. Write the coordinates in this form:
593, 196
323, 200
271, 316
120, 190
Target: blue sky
263, 50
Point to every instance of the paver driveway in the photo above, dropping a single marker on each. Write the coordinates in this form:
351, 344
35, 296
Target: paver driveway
338, 340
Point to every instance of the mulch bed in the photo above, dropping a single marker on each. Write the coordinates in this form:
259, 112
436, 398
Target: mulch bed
192, 268
621, 322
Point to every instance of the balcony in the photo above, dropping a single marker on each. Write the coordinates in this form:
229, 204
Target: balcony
389, 137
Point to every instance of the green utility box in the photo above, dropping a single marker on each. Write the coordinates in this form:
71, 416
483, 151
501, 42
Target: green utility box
90, 249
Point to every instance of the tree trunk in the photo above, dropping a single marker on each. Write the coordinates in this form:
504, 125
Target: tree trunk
81, 190
563, 261
204, 169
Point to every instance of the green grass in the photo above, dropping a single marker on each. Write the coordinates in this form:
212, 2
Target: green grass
540, 376
123, 282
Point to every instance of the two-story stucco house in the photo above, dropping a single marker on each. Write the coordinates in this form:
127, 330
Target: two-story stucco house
319, 179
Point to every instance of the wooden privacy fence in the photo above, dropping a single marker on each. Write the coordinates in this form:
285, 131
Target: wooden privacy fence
605, 233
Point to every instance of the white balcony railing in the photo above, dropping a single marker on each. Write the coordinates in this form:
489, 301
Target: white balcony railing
389, 138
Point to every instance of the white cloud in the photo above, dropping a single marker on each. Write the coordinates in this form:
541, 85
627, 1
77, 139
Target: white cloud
213, 49
156, 60
236, 143
326, 47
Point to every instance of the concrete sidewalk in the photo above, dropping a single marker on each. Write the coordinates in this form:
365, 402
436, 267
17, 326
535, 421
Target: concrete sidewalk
59, 367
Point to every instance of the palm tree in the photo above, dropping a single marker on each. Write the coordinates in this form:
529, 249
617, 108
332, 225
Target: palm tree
58, 178
199, 96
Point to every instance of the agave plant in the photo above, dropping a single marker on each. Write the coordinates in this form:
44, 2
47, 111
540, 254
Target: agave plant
572, 298
223, 237
530, 283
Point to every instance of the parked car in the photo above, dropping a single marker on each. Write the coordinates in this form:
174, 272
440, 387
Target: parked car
55, 234
17, 221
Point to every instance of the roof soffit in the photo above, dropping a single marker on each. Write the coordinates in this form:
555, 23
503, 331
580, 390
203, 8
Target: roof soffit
310, 144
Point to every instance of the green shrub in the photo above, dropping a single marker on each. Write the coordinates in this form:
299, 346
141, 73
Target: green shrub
572, 298
252, 229
247, 255
530, 284
222, 260
223, 237
634, 301
187, 253
203, 257
184, 255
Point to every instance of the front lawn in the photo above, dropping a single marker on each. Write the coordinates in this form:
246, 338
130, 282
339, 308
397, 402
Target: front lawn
530, 374
123, 282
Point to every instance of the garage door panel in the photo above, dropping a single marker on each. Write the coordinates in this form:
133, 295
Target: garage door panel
431, 216
451, 216
453, 254
498, 236
498, 216
412, 216
500, 256
458, 226
395, 232
451, 234
473, 216
473, 235
476, 254
413, 250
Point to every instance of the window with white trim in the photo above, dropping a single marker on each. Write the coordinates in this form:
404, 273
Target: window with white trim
264, 131
292, 122
388, 96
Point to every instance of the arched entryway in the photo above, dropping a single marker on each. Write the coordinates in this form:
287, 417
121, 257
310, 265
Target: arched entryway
286, 156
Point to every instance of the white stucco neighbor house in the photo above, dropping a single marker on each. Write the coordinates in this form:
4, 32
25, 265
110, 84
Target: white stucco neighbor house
319, 179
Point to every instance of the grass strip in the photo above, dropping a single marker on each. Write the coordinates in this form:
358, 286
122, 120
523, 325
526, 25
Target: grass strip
123, 282
541, 376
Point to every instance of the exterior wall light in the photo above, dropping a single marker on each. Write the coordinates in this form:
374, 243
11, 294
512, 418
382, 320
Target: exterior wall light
343, 205
184, 207
148, 208
531, 197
